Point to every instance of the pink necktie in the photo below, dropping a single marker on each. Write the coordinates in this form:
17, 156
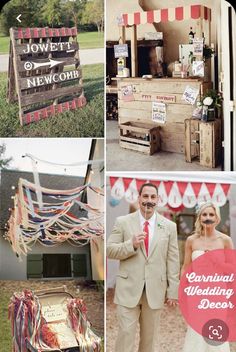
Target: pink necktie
146, 240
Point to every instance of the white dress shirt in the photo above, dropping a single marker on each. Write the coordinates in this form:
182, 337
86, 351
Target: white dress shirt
151, 227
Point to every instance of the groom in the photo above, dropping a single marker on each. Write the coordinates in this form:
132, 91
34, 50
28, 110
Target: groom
146, 245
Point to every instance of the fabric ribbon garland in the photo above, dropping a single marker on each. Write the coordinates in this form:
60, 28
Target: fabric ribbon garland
29, 326
87, 339
63, 217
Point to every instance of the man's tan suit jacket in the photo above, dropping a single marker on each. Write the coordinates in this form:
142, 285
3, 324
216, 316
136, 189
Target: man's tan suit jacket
158, 273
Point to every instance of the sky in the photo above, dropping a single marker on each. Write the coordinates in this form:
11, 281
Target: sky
56, 150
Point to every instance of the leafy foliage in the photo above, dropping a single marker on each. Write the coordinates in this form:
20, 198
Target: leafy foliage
53, 13
4, 162
94, 13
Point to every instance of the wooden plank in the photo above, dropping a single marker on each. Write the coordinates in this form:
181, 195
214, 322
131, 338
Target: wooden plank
134, 140
134, 52
154, 96
174, 146
49, 95
51, 110
188, 157
26, 33
170, 86
137, 127
186, 109
135, 147
210, 143
47, 79
46, 47
11, 91
143, 113
66, 61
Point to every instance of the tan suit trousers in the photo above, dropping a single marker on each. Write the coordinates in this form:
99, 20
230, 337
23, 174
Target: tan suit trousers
149, 321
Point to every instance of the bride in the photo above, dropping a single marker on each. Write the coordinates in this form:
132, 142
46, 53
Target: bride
205, 238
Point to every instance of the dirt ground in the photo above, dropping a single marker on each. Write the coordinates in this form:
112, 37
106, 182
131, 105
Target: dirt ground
173, 328
93, 298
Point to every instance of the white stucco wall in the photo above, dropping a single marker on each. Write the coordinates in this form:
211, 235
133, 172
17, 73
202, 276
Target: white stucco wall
12, 269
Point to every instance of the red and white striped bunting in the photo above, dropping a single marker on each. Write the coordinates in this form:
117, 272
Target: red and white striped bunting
167, 15
172, 193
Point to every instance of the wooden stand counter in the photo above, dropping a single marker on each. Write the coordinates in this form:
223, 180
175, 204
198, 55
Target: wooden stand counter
137, 106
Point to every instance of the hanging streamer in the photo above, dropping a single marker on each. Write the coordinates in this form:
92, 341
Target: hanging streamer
62, 217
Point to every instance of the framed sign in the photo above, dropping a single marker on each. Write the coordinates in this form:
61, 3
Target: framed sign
198, 68
158, 112
153, 35
190, 95
44, 72
121, 50
127, 93
198, 47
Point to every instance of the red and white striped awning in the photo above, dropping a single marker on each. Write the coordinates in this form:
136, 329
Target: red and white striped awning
181, 13
172, 193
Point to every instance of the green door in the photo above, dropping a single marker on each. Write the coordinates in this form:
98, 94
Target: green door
79, 265
34, 266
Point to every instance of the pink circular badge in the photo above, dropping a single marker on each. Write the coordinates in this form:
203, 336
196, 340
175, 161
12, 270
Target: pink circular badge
207, 296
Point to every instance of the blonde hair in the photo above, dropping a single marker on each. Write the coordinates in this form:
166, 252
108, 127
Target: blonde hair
198, 225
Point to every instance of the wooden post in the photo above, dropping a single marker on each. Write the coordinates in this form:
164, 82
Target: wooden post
122, 39
134, 51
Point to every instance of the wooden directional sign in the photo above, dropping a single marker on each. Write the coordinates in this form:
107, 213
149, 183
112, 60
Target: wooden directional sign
44, 72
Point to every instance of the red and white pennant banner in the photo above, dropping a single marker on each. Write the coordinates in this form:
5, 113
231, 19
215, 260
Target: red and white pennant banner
166, 15
173, 193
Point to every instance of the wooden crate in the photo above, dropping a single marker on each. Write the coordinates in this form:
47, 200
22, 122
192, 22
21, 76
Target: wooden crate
144, 138
210, 143
203, 141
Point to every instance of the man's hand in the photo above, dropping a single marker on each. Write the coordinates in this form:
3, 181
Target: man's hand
137, 240
171, 302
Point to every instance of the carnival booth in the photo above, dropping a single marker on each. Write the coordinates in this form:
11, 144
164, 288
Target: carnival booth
169, 106
51, 320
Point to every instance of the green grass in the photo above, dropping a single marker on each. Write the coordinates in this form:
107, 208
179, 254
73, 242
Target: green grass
83, 122
4, 45
5, 331
91, 40
88, 40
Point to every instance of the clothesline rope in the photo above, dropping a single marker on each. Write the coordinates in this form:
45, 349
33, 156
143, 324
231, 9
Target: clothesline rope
80, 163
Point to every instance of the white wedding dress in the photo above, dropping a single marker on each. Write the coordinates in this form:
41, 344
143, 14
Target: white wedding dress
194, 342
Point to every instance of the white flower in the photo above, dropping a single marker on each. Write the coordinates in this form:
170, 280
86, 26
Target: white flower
208, 101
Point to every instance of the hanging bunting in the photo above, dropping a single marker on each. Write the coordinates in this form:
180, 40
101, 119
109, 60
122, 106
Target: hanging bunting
63, 217
172, 193
131, 194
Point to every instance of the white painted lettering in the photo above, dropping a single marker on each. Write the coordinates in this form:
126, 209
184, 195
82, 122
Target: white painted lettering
50, 79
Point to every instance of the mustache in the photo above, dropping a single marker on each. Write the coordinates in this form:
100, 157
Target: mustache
148, 204
208, 221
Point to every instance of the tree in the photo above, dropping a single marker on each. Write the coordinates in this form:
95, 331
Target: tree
94, 13
4, 162
52, 13
30, 10
74, 11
